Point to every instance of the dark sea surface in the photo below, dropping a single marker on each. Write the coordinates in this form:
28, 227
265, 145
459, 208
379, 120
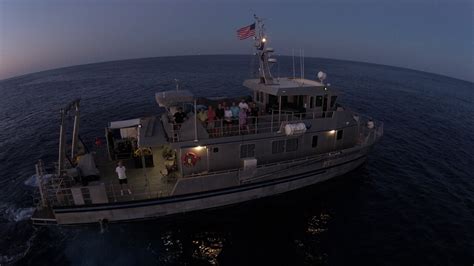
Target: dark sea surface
412, 203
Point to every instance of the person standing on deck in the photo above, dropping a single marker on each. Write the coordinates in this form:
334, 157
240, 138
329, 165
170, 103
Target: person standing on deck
122, 176
179, 116
243, 120
235, 114
220, 112
211, 117
243, 105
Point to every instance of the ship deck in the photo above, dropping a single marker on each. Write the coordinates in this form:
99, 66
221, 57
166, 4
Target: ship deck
144, 183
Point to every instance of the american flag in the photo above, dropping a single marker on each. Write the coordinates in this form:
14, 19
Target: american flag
245, 32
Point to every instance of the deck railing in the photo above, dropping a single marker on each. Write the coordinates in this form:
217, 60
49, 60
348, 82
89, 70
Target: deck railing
251, 125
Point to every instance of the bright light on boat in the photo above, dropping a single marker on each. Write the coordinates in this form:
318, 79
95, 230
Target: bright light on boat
198, 148
264, 40
332, 132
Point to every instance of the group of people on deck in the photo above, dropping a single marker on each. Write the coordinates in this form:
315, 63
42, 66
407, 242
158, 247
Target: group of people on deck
228, 119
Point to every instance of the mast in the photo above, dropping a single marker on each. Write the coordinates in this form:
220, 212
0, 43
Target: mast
73, 106
263, 53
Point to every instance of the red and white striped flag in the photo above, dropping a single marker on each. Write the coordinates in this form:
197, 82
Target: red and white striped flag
246, 32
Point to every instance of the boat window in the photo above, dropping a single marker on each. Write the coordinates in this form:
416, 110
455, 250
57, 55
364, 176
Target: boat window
311, 102
215, 149
339, 134
291, 145
278, 146
319, 101
314, 143
333, 100
261, 97
247, 150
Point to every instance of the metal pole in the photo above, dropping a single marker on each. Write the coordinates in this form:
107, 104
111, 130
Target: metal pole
279, 111
75, 131
294, 76
256, 126
39, 180
195, 122
62, 141
108, 143
271, 124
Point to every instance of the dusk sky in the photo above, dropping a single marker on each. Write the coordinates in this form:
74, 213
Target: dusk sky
427, 35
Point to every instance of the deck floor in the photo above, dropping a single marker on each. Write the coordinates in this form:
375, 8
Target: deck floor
144, 183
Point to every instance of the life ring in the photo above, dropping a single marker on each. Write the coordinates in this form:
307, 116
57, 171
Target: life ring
190, 159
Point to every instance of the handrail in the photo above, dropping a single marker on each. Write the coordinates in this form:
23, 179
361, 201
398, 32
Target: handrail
253, 124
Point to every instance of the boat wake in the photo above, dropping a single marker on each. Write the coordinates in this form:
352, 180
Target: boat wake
33, 181
13, 214
15, 219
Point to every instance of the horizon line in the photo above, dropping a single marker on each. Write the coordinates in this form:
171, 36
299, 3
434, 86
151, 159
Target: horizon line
224, 54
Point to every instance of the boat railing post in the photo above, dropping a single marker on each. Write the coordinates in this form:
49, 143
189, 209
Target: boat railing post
195, 122
271, 123
239, 128
113, 192
147, 183
256, 124
222, 127
279, 111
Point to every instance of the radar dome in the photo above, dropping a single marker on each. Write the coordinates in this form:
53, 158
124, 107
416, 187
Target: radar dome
321, 75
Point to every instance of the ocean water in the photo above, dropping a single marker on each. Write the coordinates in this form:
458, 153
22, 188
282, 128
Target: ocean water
412, 203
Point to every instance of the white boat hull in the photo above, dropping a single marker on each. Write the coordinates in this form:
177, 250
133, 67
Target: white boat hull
155, 208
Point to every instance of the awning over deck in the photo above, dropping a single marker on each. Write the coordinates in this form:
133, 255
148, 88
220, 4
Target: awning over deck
289, 87
125, 123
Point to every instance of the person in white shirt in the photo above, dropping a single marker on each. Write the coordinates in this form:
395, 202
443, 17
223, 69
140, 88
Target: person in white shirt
243, 105
122, 176
228, 118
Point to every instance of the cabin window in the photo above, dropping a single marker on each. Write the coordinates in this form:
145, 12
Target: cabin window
333, 100
311, 102
291, 145
314, 143
261, 97
319, 101
215, 149
278, 146
339, 134
247, 150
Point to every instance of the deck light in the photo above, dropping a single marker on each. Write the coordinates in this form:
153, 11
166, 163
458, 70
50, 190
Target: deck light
198, 148
263, 39
331, 132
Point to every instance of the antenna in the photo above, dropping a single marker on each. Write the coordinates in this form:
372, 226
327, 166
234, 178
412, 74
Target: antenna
278, 65
293, 50
303, 66
177, 84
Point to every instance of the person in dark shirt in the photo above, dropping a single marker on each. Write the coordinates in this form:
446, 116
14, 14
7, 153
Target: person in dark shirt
220, 112
179, 116
254, 111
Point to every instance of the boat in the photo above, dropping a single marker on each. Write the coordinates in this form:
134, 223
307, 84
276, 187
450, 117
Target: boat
289, 133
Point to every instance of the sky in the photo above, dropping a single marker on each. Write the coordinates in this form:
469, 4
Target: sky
429, 35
